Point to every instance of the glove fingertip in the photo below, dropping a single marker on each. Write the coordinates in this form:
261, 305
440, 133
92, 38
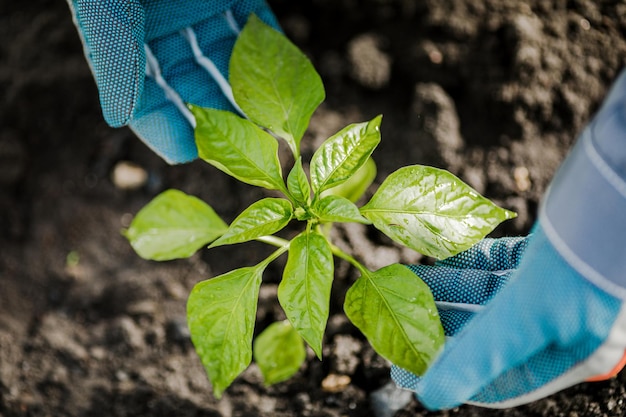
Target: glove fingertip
243, 9
490, 254
167, 133
409, 381
266, 15
113, 36
434, 393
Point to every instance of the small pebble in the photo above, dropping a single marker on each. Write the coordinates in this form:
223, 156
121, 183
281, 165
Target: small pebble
435, 56
584, 24
371, 67
335, 383
121, 375
124, 331
522, 178
142, 307
98, 353
129, 176
177, 330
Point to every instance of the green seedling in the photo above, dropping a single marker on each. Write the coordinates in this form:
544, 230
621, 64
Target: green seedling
424, 208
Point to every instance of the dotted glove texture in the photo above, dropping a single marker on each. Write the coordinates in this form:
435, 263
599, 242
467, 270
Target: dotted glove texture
143, 63
541, 320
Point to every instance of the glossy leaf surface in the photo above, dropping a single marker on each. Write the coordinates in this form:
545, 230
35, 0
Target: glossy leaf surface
432, 211
221, 313
298, 184
279, 351
273, 82
395, 310
238, 147
341, 155
355, 186
265, 217
304, 292
333, 208
173, 225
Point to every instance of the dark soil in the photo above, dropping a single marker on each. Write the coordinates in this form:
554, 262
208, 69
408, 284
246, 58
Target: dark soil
494, 91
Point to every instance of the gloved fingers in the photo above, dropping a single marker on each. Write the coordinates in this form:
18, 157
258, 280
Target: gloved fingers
482, 352
541, 326
554, 369
490, 255
194, 60
174, 78
112, 32
462, 287
192, 68
174, 53
162, 126
547, 372
460, 293
212, 40
454, 320
164, 17
167, 17
241, 11
543, 374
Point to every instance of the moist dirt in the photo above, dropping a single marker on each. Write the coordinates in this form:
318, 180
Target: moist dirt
494, 91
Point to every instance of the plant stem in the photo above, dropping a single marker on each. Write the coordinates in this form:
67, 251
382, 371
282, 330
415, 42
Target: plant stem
281, 249
276, 254
341, 254
283, 189
325, 229
274, 241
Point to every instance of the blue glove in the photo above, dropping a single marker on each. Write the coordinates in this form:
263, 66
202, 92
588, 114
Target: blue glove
529, 317
147, 59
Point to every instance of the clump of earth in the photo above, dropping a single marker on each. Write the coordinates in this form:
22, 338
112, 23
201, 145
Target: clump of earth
494, 91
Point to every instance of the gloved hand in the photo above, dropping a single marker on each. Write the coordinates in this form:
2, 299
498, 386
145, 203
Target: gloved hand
150, 57
529, 317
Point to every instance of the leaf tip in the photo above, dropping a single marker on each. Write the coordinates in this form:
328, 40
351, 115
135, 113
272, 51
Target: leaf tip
217, 392
254, 19
256, 23
193, 108
215, 244
318, 351
508, 214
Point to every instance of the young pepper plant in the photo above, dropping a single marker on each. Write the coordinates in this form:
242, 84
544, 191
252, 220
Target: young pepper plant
424, 208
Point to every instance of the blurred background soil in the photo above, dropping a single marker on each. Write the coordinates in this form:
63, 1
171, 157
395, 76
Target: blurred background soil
494, 91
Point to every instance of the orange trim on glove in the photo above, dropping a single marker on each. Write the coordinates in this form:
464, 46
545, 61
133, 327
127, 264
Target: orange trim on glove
611, 373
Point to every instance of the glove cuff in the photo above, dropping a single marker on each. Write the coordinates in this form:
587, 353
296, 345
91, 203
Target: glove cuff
584, 211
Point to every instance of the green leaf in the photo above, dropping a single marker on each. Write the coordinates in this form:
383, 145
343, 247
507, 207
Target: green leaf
355, 186
262, 218
279, 352
173, 225
395, 310
238, 147
333, 208
304, 292
432, 211
221, 313
298, 184
273, 82
341, 155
